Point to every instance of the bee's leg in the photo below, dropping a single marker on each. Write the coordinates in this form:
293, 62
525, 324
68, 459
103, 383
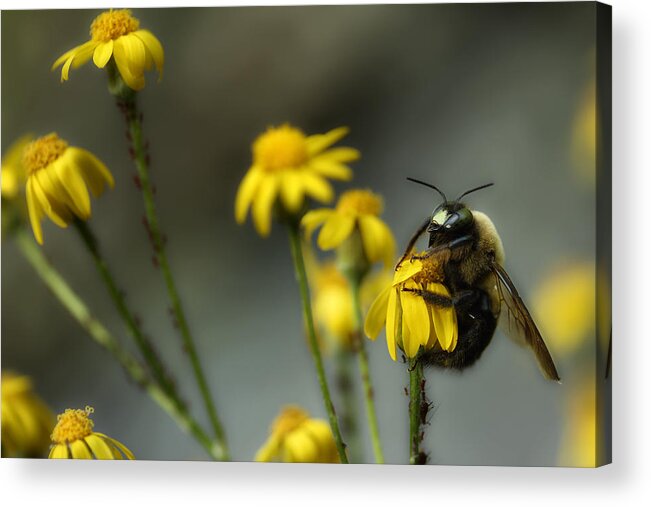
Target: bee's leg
432, 298
460, 242
412, 241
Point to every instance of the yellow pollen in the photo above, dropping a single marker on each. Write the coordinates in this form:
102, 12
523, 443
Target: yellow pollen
290, 419
363, 202
431, 272
74, 424
42, 152
112, 24
280, 148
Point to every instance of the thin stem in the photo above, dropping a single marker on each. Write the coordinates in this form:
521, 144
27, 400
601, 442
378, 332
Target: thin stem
301, 278
416, 403
348, 413
138, 150
100, 335
362, 356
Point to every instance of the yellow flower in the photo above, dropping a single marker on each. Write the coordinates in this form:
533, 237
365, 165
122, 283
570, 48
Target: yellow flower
289, 165
564, 304
357, 212
406, 314
57, 179
584, 135
116, 34
74, 438
579, 443
26, 420
13, 172
295, 438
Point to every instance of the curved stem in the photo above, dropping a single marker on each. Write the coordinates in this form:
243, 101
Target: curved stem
301, 278
138, 151
100, 335
416, 403
362, 356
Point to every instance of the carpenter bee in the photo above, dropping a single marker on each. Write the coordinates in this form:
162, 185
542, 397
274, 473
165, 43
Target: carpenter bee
466, 246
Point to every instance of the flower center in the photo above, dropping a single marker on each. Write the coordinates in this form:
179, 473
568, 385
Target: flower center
431, 272
112, 25
73, 425
42, 152
289, 419
280, 148
361, 202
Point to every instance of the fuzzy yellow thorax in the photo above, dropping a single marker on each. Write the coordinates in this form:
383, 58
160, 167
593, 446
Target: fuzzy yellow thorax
112, 24
280, 148
42, 152
73, 424
363, 202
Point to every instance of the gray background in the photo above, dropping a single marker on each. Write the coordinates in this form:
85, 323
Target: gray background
454, 94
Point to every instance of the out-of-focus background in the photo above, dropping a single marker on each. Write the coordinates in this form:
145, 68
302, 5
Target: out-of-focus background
458, 95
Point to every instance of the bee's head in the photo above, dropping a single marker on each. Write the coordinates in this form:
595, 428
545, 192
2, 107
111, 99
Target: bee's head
451, 217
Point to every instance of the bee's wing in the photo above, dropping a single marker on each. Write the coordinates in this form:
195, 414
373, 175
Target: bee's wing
516, 321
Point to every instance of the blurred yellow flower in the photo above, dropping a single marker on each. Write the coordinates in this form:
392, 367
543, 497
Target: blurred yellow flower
26, 419
74, 438
116, 34
333, 304
356, 211
13, 172
564, 305
57, 179
579, 443
584, 135
421, 324
295, 438
288, 165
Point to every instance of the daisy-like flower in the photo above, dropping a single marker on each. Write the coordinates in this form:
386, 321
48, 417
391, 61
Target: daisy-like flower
422, 325
117, 35
357, 212
296, 438
58, 178
26, 419
74, 438
13, 172
287, 166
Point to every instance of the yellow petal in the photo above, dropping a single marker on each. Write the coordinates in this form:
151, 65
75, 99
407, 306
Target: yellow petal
269, 450
300, 447
68, 174
445, 319
53, 208
246, 193
100, 448
331, 169
129, 55
415, 313
342, 154
335, 230
406, 271
35, 212
50, 191
377, 239
118, 445
102, 53
79, 450
95, 173
319, 142
291, 191
393, 319
314, 218
377, 314
59, 451
316, 187
154, 48
262, 209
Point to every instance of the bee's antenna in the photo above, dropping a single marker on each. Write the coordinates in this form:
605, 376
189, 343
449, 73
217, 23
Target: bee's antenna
474, 190
430, 186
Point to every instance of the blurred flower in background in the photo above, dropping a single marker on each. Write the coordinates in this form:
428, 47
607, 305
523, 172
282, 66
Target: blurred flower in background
296, 438
13, 171
289, 165
421, 324
57, 181
579, 442
116, 34
74, 438
26, 419
584, 134
357, 210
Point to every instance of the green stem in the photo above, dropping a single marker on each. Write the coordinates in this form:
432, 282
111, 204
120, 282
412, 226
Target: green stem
100, 335
348, 414
416, 403
301, 278
138, 150
362, 356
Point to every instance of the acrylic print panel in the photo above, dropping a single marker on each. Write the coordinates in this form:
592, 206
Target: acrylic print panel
195, 274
